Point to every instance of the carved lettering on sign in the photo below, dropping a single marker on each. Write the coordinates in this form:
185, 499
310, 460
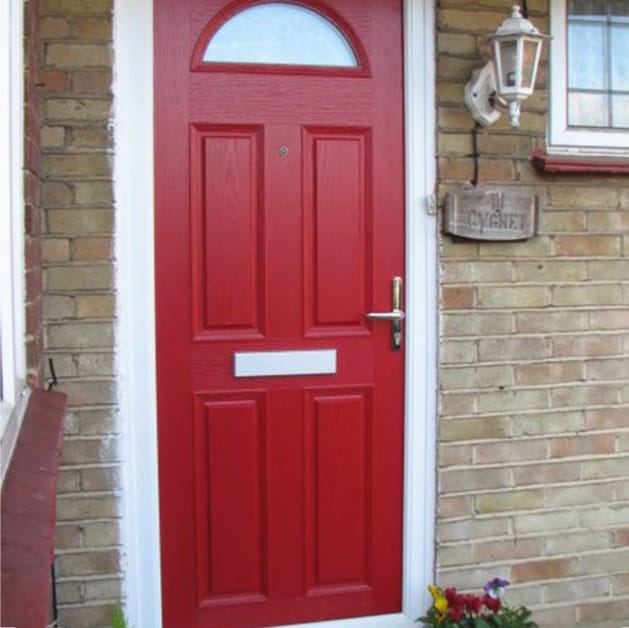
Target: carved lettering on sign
490, 214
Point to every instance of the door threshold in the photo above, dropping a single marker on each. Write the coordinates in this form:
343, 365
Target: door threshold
393, 620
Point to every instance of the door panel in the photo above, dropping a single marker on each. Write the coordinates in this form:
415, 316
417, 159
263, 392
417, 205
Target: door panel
279, 224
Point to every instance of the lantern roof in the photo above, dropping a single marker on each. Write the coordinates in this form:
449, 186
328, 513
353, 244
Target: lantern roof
515, 24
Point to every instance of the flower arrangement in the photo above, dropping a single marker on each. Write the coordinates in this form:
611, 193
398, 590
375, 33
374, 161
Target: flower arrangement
451, 609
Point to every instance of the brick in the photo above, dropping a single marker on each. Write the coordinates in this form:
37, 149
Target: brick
510, 501
511, 451
580, 197
605, 468
549, 372
605, 515
68, 536
67, 278
513, 348
53, 81
614, 222
466, 529
88, 616
91, 249
541, 474
79, 451
100, 479
544, 522
93, 82
455, 68
580, 396
483, 22
457, 43
96, 422
551, 271
458, 506
476, 377
535, 247
456, 481
458, 352
79, 335
582, 445
92, 29
599, 370
576, 589
508, 400
620, 584
94, 192
53, 28
547, 423
578, 495
71, 55
68, 592
52, 136
559, 221
81, 165
78, 109
92, 137
56, 250
68, 481
74, 221
607, 418
496, 170
586, 346
454, 118
76, 6
608, 270
547, 321
103, 589
474, 428
454, 455
492, 143
82, 507
462, 578
101, 534
449, 556
57, 307
511, 549
93, 392
95, 306
55, 193
458, 298
588, 245
457, 404
466, 272
476, 323
548, 569
603, 294
563, 616
609, 609
455, 168
95, 364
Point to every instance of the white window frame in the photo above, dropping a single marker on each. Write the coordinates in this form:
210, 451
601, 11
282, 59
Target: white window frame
561, 138
13, 365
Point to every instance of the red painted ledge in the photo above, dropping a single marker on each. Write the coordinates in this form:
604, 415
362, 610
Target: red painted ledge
28, 513
543, 162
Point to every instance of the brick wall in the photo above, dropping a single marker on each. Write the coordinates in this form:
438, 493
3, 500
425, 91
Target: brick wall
73, 49
534, 405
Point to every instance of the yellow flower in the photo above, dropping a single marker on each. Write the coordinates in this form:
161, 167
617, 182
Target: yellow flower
440, 602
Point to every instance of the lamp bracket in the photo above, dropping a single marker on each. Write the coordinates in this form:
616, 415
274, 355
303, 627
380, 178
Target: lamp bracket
481, 97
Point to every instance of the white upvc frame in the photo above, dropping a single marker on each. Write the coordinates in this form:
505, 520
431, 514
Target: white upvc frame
561, 138
134, 170
13, 371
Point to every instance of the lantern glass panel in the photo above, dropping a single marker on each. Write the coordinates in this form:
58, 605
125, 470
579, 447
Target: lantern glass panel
529, 53
508, 64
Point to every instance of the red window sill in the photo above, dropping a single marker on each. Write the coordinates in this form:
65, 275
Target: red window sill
28, 512
543, 162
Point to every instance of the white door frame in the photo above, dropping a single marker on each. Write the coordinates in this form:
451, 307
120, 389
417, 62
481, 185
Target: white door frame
135, 338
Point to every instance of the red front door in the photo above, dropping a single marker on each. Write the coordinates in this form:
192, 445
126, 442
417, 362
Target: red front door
279, 224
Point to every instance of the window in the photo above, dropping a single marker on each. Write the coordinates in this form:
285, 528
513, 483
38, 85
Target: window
589, 77
12, 363
280, 33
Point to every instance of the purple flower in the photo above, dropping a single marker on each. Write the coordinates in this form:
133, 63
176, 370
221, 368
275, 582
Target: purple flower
496, 587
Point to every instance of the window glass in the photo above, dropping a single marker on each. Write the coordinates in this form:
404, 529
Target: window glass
280, 33
598, 71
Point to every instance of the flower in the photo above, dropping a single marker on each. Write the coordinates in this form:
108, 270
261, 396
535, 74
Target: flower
495, 588
451, 609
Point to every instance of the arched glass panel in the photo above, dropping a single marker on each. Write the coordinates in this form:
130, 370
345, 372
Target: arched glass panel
280, 33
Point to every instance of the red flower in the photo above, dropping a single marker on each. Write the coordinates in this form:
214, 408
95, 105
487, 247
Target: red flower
456, 612
493, 604
473, 603
452, 596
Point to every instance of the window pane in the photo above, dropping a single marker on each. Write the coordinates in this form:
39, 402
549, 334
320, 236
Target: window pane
620, 112
587, 110
620, 58
619, 11
586, 56
283, 33
587, 9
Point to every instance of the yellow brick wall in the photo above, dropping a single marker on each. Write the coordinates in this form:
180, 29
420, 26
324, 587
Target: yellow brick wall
534, 377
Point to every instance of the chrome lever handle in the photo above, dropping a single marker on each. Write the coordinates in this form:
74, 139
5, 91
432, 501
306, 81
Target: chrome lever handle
396, 315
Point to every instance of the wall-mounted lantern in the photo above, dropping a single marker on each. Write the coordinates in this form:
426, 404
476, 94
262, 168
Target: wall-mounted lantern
509, 78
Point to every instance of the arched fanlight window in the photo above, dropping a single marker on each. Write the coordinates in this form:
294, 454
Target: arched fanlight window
280, 33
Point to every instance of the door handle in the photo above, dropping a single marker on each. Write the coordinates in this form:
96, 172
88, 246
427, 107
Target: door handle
396, 315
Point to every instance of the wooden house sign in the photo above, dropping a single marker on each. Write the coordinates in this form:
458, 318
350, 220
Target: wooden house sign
491, 214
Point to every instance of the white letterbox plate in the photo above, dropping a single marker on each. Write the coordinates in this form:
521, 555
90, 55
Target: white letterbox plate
268, 363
